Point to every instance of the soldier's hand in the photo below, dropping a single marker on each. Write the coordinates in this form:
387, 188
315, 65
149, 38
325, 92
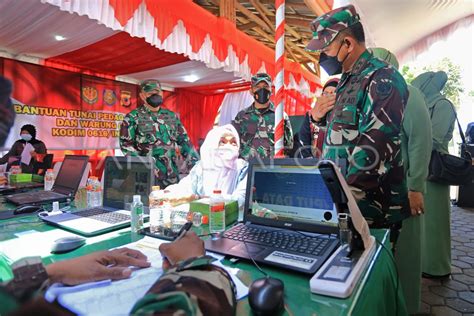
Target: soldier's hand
324, 104
112, 264
189, 246
417, 205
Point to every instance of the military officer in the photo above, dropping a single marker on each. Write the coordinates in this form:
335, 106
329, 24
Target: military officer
153, 130
364, 125
256, 124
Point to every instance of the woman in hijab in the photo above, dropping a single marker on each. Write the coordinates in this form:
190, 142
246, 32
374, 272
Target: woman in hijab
28, 136
311, 136
436, 239
219, 168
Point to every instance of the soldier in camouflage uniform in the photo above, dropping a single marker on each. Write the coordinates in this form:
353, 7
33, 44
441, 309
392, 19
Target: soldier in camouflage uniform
365, 122
256, 124
153, 130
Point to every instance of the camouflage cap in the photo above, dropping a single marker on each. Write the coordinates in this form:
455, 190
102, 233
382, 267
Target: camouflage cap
261, 77
150, 85
326, 27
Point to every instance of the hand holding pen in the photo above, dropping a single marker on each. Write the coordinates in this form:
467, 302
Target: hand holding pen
187, 245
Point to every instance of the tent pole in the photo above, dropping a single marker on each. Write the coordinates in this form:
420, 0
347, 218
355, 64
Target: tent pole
280, 76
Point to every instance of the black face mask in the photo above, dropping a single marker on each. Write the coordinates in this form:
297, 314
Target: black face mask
154, 100
262, 95
330, 64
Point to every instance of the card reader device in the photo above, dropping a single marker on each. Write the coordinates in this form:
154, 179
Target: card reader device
341, 272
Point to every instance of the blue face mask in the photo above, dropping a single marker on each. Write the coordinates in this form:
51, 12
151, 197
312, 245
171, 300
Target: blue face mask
331, 64
26, 137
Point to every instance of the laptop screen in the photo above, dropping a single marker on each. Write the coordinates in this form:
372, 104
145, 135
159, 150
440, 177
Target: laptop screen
124, 177
70, 173
290, 194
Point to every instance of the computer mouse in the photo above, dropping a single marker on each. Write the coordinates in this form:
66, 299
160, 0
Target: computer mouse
25, 209
67, 244
266, 296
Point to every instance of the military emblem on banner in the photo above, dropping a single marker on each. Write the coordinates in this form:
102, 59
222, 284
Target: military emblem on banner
90, 95
125, 98
110, 97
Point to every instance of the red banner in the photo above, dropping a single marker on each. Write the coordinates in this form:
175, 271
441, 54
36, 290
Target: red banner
70, 110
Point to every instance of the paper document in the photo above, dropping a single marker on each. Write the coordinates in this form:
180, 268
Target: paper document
119, 297
26, 154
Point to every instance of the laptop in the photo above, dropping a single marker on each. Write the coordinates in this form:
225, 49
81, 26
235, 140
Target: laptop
21, 186
290, 218
65, 185
123, 178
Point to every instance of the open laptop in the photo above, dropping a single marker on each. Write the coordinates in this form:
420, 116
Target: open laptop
123, 178
290, 218
65, 185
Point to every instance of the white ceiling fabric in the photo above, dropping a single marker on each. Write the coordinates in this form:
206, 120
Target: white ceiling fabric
399, 24
186, 74
27, 28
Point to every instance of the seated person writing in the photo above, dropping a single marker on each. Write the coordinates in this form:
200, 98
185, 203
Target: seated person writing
28, 136
219, 168
191, 285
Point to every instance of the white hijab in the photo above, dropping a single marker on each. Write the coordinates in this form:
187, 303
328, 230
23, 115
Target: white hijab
219, 164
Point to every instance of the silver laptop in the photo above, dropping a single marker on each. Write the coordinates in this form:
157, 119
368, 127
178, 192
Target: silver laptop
123, 178
290, 218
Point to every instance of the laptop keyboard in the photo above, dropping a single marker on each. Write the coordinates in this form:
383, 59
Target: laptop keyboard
280, 239
103, 215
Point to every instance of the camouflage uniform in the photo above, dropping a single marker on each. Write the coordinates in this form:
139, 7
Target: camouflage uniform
194, 287
364, 127
256, 128
158, 134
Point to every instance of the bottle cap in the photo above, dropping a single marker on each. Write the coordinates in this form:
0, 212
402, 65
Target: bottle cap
55, 206
136, 198
155, 188
217, 191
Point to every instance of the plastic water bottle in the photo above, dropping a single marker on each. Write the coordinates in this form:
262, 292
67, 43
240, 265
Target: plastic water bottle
97, 193
137, 214
217, 212
48, 180
94, 192
165, 214
156, 216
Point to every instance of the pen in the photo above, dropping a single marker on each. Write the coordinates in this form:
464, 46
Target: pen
186, 227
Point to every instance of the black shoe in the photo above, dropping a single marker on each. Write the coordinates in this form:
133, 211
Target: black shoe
431, 276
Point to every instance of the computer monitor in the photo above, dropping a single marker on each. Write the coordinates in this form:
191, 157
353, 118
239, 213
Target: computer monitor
290, 191
125, 177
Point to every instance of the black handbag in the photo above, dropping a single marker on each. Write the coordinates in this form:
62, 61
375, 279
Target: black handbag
448, 169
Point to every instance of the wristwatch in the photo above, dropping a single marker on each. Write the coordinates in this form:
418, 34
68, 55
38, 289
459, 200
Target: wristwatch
29, 276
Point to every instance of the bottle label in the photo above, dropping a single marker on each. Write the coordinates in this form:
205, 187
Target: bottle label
218, 207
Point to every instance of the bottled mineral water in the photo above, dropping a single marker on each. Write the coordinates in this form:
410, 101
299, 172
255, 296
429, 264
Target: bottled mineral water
48, 180
217, 212
155, 205
137, 214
